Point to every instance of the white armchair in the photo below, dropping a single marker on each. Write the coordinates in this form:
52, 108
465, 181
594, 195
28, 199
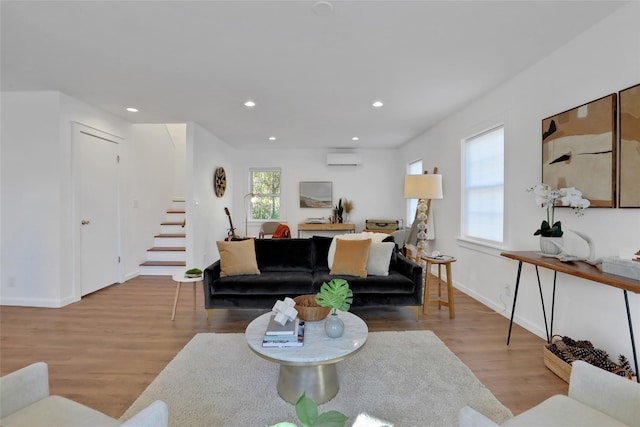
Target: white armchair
596, 398
25, 401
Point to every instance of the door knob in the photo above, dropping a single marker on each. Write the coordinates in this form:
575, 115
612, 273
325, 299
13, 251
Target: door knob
85, 222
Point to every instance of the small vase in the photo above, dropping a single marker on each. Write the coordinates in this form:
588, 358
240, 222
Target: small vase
551, 245
334, 326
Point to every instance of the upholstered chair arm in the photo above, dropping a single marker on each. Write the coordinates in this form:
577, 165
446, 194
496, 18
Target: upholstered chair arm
211, 274
23, 387
410, 269
154, 415
469, 417
611, 394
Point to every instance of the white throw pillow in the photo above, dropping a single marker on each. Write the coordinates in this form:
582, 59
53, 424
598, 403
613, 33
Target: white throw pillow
379, 258
375, 238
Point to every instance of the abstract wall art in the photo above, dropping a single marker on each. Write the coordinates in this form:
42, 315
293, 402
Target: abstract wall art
579, 150
630, 147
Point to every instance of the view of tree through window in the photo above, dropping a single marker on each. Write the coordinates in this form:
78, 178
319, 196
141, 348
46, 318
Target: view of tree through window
265, 185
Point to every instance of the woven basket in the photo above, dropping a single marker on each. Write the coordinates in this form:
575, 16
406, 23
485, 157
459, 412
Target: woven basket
308, 309
562, 368
555, 364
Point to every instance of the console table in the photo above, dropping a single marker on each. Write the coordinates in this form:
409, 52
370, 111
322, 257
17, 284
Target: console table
303, 226
577, 269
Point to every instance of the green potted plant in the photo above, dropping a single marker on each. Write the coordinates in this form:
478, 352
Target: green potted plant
337, 296
339, 210
307, 412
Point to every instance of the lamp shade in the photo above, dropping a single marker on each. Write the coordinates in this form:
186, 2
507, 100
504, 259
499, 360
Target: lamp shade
427, 186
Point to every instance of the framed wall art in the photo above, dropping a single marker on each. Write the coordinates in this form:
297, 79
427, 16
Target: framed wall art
630, 147
316, 194
579, 150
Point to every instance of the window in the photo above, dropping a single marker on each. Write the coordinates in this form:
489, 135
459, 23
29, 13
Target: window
414, 168
265, 185
483, 186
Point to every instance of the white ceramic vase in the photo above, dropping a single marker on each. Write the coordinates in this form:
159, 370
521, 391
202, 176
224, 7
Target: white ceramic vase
334, 326
551, 245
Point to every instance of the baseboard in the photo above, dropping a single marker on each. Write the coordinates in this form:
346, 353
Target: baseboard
37, 302
500, 308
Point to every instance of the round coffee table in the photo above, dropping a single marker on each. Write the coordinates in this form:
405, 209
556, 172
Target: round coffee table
311, 368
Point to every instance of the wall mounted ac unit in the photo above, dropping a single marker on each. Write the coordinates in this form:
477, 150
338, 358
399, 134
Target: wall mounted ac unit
343, 159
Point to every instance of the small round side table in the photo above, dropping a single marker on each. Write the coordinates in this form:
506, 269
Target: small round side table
440, 261
180, 279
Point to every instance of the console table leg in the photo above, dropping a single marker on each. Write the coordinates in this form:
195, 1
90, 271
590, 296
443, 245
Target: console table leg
515, 298
553, 304
633, 342
544, 312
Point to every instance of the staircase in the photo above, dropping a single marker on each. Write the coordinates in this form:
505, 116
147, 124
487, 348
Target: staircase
168, 256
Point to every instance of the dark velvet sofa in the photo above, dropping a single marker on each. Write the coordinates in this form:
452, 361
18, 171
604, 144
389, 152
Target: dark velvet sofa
292, 267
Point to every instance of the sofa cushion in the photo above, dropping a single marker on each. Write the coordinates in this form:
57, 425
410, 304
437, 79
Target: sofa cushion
291, 283
351, 257
275, 255
379, 258
237, 258
395, 283
561, 410
58, 411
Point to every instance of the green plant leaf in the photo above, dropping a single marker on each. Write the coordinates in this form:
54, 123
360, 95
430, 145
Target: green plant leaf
306, 410
331, 419
335, 294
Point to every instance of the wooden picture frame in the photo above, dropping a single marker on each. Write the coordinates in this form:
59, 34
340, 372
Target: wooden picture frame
316, 194
629, 190
579, 150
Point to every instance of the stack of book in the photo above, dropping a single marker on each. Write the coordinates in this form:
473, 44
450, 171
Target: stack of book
291, 334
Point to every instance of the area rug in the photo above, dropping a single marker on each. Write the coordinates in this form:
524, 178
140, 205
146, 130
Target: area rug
406, 378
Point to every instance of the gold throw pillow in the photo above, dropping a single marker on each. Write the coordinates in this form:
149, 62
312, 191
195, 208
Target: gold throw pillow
351, 257
237, 258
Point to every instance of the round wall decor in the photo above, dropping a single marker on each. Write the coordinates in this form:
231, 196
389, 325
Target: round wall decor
219, 181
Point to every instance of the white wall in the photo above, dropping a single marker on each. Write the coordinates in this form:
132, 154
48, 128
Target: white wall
30, 199
601, 61
37, 263
206, 220
375, 186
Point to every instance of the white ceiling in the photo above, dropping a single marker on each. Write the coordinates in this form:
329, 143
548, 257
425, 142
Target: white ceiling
313, 77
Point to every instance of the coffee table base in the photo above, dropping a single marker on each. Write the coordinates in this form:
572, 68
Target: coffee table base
319, 382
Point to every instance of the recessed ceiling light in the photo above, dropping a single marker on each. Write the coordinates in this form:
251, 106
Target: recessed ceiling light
132, 110
322, 8
249, 104
377, 104
272, 138
355, 138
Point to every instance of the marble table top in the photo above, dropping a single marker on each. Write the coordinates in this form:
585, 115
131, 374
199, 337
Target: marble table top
318, 348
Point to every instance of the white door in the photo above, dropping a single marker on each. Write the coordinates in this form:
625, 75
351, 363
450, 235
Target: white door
96, 160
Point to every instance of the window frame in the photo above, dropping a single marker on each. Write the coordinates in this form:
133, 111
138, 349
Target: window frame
250, 207
465, 189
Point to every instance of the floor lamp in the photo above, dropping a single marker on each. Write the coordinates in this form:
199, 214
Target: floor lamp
422, 187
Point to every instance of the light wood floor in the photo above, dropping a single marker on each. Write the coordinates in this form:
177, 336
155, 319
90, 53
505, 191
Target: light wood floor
104, 350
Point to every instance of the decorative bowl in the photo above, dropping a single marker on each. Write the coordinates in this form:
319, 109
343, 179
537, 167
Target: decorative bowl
308, 309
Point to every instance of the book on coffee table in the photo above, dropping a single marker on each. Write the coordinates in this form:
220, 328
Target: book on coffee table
275, 328
285, 340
